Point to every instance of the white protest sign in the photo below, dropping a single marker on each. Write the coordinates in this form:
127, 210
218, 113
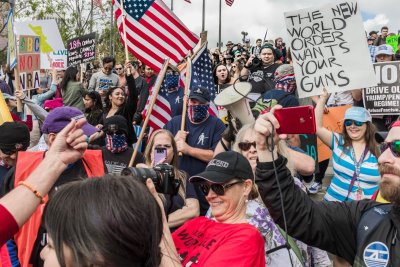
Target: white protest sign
50, 38
329, 49
57, 59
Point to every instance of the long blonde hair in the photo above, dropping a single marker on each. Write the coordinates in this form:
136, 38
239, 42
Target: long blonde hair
181, 175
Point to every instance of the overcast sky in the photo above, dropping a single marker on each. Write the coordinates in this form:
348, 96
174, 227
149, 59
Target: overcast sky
256, 16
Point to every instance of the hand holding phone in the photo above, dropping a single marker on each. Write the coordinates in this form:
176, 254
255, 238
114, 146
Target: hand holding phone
296, 120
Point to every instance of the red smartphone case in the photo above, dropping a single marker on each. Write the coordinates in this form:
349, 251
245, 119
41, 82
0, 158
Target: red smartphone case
296, 120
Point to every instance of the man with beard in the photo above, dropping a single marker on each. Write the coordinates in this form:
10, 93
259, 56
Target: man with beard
364, 233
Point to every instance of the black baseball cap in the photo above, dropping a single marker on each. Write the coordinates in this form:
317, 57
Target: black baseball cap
225, 167
201, 94
116, 122
14, 135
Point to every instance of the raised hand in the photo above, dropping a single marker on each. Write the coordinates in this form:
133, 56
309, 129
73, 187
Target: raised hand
69, 144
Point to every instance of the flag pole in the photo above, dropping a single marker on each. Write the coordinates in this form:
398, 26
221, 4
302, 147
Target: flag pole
203, 23
186, 94
150, 109
17, 80
219, 30
124, 26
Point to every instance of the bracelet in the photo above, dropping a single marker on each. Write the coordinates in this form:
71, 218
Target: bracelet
30, 187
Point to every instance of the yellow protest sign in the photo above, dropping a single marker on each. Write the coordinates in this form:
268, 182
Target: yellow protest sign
5, 114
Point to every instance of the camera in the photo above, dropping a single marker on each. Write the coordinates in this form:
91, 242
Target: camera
162, 175
256, 62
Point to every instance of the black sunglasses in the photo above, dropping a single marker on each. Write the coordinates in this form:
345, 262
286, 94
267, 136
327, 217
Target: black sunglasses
394, 147
118, 68
244, 146
218, 189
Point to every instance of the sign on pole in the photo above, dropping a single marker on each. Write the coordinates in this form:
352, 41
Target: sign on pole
82, 49
56, 59
384, 99
11, 52
29, 61
329, 49
393, 41
47, 30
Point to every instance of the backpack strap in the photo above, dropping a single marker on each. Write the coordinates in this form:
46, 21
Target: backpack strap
370, 219
290, 245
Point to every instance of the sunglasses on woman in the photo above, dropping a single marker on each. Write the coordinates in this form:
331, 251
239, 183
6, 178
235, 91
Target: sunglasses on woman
218, 189
394, 147
244, 146
348, 123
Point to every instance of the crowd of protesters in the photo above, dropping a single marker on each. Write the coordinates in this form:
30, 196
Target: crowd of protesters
239, 190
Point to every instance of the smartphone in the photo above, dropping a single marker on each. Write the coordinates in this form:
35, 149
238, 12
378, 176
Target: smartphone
160, 154
296, 120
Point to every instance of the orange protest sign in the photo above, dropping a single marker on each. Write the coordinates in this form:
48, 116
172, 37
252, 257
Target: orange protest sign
5, 114
333, 121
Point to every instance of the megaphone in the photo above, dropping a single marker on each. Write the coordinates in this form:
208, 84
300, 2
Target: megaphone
233, 98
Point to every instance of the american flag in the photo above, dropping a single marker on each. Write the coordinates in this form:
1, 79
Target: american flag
202, 76
153, 32
161, 112
229, 2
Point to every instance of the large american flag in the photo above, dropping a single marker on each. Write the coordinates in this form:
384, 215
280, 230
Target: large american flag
153, 32
202, 76
161, 112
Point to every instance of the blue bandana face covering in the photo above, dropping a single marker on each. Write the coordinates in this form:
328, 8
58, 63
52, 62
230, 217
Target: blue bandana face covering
198, 113
116, 143
171, 80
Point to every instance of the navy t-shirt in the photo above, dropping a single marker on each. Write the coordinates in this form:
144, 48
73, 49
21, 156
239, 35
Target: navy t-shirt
205, 135
175, 99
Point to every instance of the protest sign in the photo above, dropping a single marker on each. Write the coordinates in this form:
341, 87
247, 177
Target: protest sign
5, 114
384, 99
333, 121
11, 51
29, 61
329, 49
50, 38
309, 145
393, 41
56, 59
81, 49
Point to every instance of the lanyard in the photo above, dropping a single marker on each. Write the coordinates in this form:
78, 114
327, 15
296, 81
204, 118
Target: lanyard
357, 170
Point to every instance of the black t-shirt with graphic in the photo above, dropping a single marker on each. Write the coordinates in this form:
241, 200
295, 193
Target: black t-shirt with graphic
116, 162
262, 78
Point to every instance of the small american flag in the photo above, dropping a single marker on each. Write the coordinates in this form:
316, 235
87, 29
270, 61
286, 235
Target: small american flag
153, 32
202, 76
229, 2
99, 4
161, 112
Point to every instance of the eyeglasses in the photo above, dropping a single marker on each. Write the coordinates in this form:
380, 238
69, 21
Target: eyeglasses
348, 123
218, 189
394, 147
244, 146
118, 68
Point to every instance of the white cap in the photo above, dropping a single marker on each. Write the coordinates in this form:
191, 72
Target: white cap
384, 49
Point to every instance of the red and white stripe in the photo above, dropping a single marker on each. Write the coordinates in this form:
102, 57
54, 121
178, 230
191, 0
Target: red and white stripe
160, 114
229, 2
159, 34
